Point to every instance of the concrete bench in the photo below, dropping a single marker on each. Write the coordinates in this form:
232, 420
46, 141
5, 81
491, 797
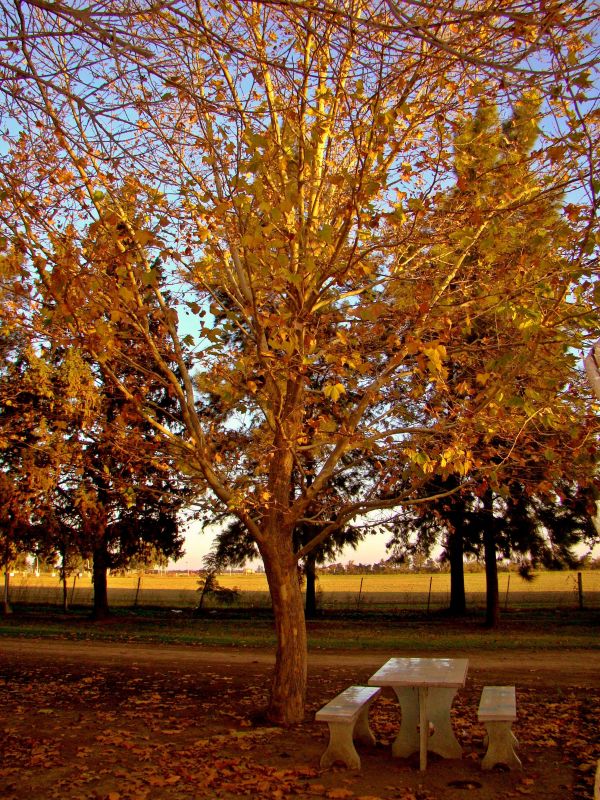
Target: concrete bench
498, 711
348, 718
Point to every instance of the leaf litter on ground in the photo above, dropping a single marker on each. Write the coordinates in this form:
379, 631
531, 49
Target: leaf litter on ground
106, 734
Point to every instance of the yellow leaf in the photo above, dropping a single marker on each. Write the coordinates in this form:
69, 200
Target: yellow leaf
436, 356
142, 237
333, 391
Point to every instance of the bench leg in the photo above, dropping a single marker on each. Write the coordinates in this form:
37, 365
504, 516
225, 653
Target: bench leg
341, 746
501, 741
362, 731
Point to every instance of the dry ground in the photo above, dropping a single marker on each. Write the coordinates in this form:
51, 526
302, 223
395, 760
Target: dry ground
90, 721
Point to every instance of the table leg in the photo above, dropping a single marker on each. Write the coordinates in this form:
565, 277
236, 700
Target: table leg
421, 708
442, 741
423, 728
407, 740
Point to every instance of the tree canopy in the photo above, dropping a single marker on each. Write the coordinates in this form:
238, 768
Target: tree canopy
279, 213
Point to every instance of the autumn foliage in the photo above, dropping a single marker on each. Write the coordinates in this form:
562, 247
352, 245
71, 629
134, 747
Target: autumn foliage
348, 241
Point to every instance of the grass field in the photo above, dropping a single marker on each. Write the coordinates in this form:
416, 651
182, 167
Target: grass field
408, 631
548, 589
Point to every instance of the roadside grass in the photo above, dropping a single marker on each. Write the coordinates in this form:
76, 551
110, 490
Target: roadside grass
369, 631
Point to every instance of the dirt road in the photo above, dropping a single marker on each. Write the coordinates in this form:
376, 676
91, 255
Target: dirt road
579, 668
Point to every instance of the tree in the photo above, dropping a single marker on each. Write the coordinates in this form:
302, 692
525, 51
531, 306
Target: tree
93, 479
11, 534
447, 521
23, 468
545, 529
534, 524
84, 493
208, 585
287, 175
121, 489
114, 499
493, 165
509, 214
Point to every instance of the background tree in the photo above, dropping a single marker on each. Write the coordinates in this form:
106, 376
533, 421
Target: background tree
443, 522
12, 534
83, 491
25, 441
508, 215
234, 547
95, 481
545, 530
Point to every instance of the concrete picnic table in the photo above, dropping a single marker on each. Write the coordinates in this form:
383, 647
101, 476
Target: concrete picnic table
425, 688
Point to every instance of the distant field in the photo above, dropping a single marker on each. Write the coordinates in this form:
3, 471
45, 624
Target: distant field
334, 591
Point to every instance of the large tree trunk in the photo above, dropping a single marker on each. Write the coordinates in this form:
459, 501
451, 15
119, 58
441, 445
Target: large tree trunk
310, 573
288, 689
492, 597
100, 581
455, 548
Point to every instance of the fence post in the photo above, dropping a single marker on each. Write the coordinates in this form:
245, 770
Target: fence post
429, 594
359, 593
580, 589
137, 591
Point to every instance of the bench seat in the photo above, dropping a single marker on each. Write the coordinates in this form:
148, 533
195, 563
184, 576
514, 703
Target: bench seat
497, 711
348, 718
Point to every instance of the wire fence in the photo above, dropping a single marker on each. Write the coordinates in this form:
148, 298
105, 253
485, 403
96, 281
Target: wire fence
344, 592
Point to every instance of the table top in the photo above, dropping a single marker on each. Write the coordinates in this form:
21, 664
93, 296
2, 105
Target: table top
445, 672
